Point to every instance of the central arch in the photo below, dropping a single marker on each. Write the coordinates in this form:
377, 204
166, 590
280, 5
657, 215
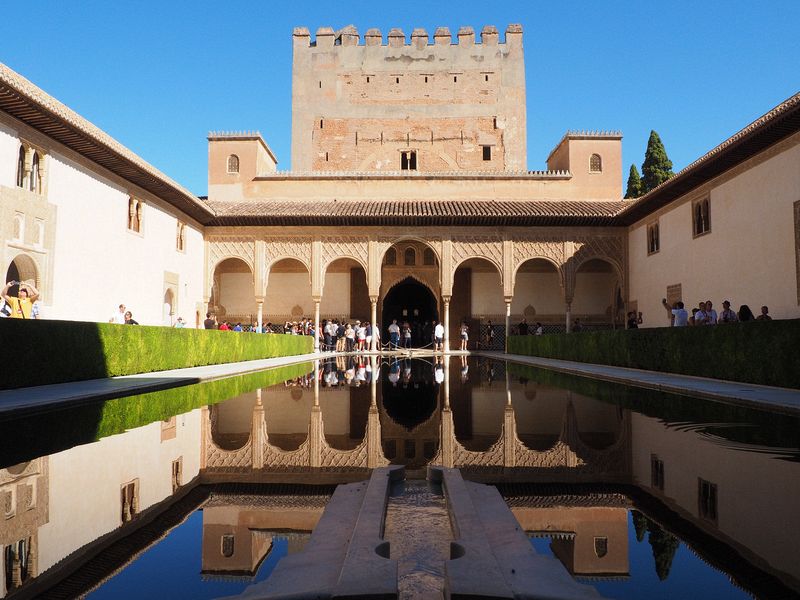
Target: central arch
412, 301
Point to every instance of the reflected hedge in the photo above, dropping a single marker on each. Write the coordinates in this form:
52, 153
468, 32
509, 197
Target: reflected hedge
755, 352
43, 352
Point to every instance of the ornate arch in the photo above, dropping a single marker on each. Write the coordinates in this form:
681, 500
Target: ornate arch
354, 248
408, 273
485, 247
433, 244
27, 267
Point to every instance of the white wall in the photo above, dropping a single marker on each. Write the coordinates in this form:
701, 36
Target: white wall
99, 264
9, 154
487, 294
286, 290
85, 482
747, 258
540, 290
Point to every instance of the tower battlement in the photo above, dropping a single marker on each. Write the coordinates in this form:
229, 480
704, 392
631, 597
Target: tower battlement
326, 38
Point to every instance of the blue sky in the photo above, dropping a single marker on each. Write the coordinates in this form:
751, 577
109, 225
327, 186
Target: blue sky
158, 76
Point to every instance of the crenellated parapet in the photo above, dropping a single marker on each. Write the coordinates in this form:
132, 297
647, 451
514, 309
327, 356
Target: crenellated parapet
327, 38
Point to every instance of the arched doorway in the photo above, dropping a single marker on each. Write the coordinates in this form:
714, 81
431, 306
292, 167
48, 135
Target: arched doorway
22, 268
409, 300
233, 292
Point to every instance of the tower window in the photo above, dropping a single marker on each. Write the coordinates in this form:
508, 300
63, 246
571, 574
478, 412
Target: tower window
455, 78
367, 78
233, 164
321, 124
486, 78
397, 80
428, 257
180, 237
426, 79
391, 257
408, 160
595, 163
135, 215
33, 184
487, 152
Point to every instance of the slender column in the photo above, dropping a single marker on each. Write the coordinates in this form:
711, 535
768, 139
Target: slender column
375, 456
569, 316
446, 301
508, 322
257, 435
315, 430
316, 324
446, 430
260, 317
509, 430
373, 319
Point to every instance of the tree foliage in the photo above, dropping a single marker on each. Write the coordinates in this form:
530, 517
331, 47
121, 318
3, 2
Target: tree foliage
657, 167
664, 546
639, 524
634, 184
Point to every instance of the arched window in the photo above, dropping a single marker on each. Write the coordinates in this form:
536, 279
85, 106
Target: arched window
702, 217
233, 164
595, 163
428, 257
391, 257
180, 237
21, 167
227, 545
410, 257
33, 183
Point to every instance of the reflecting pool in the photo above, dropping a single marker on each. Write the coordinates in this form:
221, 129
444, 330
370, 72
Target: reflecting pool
199, 491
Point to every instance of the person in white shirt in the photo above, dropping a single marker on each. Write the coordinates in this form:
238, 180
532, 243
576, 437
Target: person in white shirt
728, 315
394, 335
118, 317
679, 316
438, 338
711, 314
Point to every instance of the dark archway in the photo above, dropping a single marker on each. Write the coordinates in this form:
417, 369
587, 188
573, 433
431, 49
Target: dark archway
411, 301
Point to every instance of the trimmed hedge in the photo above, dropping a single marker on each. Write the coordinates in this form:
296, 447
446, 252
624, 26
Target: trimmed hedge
27, 438
756, 352
43, 352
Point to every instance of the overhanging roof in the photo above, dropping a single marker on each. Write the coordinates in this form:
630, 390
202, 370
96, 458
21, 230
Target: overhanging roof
26, 102
779, 123
416, 212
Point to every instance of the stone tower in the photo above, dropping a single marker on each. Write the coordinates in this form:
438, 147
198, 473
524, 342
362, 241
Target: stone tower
427, 107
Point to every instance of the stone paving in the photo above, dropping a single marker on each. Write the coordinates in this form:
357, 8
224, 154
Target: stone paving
778, 399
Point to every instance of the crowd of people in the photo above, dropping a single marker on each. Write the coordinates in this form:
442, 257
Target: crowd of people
705, 314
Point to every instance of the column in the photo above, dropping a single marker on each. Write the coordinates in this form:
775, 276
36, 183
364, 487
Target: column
569, 316
375, 456
315, 429
508, 322
509, 430
446, 301
316, 324
260, 304
446, 429
258, 433
373, 319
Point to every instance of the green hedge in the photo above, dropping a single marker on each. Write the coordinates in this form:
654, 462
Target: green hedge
27, 438
42, 352
757, 352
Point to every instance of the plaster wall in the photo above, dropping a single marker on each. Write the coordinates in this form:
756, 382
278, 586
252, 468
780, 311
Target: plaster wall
594, 293
748, 257
541, 290
287, 290
744, 480
99, 263
540, 410
9, 154
487, 294
237, 293
85, 482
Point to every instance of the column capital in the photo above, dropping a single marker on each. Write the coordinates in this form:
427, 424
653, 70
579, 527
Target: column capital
259, 299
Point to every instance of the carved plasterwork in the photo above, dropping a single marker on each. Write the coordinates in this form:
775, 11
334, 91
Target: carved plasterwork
548, 249
487, 247
279, 248
239, 247
356, 248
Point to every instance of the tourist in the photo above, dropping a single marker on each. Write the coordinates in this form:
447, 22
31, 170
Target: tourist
764, 316
699, 315
464, 332
394, 335
406, 335
119, 316
340, 339
24, 305
539, 329
633, 321
438, 337
129, 320
678, 315
489, 334
361, 336
210, 322
728, 315
224, 326
577, 326
745, 314
711, 314
523, 328
5, 309
238, 327
350, 338
179, 323
267, 327
692, 319
368, 335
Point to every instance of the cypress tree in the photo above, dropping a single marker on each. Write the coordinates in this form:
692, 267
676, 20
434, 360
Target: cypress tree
657, 167
634, 184
664, 546
639, 524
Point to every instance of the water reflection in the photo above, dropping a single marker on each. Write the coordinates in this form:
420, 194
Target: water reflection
722, 480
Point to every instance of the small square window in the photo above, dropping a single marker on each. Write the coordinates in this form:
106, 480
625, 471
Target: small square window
487, 152
408, 160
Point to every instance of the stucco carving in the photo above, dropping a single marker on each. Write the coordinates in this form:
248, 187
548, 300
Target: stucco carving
488, 247
279, 248
551, 249
345, 247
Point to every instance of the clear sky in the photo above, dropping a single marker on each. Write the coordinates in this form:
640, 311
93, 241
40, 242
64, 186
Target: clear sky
158, 76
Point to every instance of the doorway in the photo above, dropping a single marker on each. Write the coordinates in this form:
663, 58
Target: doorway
411, 301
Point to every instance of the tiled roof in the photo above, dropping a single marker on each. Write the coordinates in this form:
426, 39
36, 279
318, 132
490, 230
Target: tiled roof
416, 212
777, 124
24, 101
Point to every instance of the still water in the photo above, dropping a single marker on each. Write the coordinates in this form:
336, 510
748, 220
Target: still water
198, 492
